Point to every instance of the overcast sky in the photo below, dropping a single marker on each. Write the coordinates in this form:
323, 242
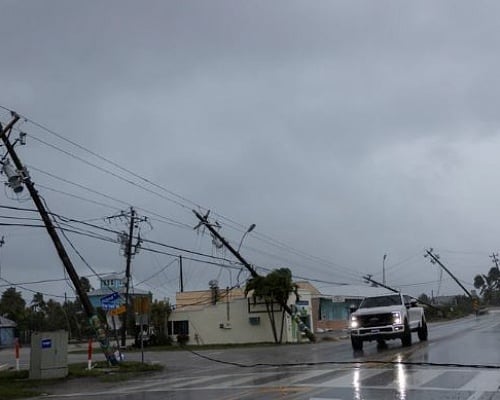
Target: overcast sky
345, 130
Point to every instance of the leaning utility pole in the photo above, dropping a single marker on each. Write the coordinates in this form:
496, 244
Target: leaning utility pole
128, 254
63, 255
204, 221
435, 260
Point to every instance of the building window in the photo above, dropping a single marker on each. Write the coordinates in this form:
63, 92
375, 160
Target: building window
254, 320
178, 328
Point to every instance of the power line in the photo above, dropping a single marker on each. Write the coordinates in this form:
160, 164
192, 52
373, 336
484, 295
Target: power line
157, 272
164, 219
231, 223
239, 226
46, 281
30, 290
353, 363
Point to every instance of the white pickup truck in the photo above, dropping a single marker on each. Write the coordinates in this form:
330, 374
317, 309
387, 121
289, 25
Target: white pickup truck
391, 316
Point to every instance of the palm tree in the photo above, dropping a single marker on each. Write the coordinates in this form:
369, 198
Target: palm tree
489, 285
38, 303
274, 289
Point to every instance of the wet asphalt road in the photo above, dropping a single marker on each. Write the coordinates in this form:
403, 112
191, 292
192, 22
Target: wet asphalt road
321, 371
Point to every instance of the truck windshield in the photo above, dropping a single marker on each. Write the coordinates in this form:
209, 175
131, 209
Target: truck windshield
381, 301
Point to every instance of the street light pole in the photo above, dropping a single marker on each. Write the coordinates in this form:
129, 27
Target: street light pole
383, 268
250, 229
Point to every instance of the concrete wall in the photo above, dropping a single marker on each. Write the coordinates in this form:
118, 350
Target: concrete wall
220, 324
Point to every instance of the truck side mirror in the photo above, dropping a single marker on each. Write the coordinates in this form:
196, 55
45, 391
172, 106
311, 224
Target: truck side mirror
413, 303
352, 308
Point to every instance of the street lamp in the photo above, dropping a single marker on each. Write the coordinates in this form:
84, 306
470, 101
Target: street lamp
383, 268
250, 229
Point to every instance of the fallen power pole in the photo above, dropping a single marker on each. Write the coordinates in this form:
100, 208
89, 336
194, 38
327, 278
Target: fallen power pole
369, 279
63, 255
435, 260
204, 220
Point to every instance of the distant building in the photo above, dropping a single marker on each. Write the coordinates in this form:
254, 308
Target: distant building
331, 307
7, 332
114, 283
220, 316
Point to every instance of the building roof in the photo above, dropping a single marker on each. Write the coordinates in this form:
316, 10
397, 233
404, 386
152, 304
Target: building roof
201, 298
204, 297
7, 323
351, 291
113, 276
307, 286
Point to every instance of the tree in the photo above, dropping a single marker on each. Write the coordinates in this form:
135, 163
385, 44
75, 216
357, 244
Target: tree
160, 311
85, 284
424, 298
274, 289
55, 318
36, 313
489, 286
12, 305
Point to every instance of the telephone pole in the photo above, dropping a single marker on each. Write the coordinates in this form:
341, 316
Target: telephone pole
128, 254
61, 251
2, 242
181, 278
129, 250
204, 221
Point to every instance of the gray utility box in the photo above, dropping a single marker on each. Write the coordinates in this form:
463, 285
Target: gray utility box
49, 355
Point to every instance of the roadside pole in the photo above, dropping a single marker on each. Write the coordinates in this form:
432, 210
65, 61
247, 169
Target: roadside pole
89, 355
204, 221
94, 320
17, 354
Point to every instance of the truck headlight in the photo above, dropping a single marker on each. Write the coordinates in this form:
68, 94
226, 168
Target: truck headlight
396, 317
354, 322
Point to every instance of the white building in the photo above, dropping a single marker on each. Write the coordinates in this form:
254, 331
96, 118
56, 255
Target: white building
227, 316
221, 317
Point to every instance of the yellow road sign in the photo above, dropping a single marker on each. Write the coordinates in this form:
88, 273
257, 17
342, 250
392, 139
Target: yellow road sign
118, 310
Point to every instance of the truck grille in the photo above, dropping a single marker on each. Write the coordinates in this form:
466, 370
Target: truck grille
368, 321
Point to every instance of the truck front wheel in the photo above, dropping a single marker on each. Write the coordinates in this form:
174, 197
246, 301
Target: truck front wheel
357, 344
422, 331
406, 339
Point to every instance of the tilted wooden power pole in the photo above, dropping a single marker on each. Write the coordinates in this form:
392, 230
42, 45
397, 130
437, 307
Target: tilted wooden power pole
435, 260
204, 220
63, 255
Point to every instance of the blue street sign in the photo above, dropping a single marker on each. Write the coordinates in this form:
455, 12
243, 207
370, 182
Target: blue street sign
109, 306
46, 343
110, 298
